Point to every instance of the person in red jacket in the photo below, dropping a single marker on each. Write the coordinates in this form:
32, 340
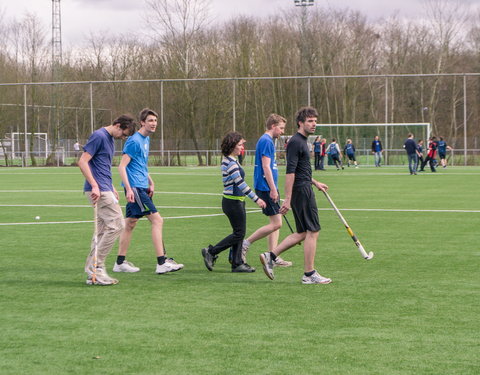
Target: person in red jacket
241, 156
432, 150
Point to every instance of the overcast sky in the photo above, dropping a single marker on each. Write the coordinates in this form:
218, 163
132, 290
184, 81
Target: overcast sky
82, 17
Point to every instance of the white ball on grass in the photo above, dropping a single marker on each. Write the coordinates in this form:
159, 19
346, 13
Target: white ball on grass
37, 217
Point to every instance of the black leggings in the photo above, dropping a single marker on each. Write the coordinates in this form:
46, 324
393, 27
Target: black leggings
235, 211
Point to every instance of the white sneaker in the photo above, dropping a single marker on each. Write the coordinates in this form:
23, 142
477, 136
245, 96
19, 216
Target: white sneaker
101, 278
279, 262
245, 246
316, 278
267, 262
172, 261
125, 267
168, 267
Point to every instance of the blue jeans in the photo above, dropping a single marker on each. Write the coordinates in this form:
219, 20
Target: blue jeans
412, 163
378, 158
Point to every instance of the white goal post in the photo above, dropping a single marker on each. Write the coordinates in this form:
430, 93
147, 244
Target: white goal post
40, 143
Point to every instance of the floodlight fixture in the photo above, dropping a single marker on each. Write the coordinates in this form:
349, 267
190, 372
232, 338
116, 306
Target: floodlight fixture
303, 3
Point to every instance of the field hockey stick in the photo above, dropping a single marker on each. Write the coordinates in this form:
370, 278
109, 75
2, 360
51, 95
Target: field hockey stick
95, 243
288, 223
349, 230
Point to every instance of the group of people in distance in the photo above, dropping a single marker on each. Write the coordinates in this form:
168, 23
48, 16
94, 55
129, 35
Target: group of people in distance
96, 161
320, 150
415, 153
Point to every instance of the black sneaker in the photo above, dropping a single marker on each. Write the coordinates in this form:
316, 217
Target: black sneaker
208, 258
243, 268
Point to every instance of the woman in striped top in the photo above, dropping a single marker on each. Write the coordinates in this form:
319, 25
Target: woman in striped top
233, 205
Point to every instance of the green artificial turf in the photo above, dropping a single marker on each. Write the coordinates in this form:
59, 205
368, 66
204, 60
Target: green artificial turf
413, 309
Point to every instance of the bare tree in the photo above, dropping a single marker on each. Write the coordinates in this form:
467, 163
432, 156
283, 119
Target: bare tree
179, 24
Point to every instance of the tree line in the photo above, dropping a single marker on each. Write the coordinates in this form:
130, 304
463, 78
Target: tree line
183, 45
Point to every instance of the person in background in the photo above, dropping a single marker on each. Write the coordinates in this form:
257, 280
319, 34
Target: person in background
323, 152
317, 150
334, 151
349, 151
420, 152
410, 147
432, 149
77, 147
241, 155
377, 150
442, 151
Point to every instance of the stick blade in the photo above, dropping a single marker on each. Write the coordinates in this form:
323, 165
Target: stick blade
369, 256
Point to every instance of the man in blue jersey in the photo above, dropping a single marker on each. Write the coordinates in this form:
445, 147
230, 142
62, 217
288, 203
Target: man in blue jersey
333, 150
349, 151
299, 197
95, 164
442, 148
266, 186
139, 189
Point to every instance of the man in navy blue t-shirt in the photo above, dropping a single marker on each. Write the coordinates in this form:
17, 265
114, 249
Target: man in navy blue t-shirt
410, 147
377, 150
442, 148
95, 164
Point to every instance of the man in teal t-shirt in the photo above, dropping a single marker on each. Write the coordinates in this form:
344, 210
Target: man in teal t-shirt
139, 189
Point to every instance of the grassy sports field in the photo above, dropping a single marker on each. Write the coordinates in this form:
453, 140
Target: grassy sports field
413, 309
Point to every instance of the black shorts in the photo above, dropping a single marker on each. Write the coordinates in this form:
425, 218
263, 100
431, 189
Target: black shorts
351, 157
304, 208
442, 155
142, 206
272, 207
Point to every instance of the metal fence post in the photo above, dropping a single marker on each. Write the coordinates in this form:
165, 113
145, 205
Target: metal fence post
465, 119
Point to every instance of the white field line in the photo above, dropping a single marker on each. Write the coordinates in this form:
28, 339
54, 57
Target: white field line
77, 174
253, 211
219, 208
88, 206
80, 191
91, 221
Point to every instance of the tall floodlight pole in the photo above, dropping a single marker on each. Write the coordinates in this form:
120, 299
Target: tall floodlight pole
303, 4
56, 67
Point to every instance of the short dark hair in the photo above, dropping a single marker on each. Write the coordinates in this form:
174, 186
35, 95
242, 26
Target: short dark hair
304, 113
229, 142
126, 122
144, 113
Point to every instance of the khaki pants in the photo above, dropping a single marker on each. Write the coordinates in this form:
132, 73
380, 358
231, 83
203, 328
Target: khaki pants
110, 224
